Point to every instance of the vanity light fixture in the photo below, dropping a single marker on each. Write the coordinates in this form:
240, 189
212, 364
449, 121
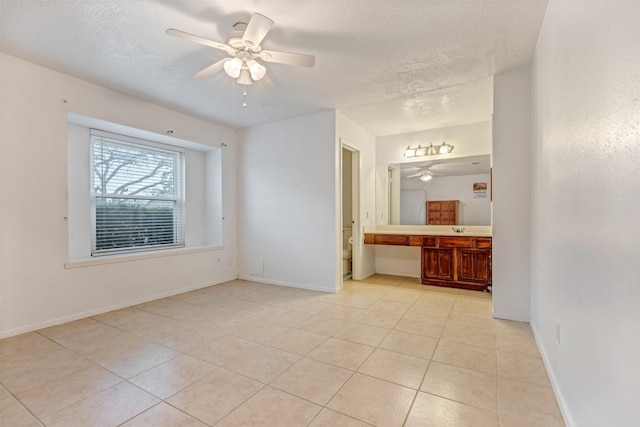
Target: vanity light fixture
410, 152
445, 148
431, 150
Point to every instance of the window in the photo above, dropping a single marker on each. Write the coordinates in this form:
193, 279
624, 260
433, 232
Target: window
137, 196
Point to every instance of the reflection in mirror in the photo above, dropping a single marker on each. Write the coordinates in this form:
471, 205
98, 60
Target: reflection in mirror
403, 190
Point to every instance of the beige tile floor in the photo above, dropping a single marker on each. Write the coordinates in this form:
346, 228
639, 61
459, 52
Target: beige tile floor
386, 351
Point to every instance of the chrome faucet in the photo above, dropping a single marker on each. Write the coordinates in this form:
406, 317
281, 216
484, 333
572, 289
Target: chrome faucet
458, 230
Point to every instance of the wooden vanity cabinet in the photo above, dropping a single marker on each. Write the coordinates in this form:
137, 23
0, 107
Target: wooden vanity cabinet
459, 262
442, 212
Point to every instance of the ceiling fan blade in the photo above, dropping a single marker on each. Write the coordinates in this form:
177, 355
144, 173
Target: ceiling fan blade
265, 83
414, 175
288, 58
257, 29
211, 69
201, 40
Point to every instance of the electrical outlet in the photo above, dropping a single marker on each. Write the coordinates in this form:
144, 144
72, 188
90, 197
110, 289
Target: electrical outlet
558, 332
229, 262
218, 260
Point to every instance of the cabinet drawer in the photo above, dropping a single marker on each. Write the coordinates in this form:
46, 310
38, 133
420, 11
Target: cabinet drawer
483, 242
415, 240
429, 241
456, 242
391, 239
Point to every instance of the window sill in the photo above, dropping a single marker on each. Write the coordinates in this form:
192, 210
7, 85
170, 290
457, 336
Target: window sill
113, 259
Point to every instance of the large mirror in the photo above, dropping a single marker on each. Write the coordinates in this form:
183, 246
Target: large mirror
403, 190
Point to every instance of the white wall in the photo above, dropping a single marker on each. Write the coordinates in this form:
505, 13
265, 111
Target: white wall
398, 260
36, 288
470, 211
287, 205
349, 132
585, 204
511, 192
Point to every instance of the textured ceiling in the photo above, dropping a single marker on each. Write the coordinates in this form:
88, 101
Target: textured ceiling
393, 66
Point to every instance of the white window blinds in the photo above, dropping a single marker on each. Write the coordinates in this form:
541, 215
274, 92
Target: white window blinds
137, 195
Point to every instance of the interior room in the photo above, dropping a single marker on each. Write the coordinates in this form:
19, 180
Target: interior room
252, 212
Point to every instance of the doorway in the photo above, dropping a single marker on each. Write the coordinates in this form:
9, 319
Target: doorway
350, 233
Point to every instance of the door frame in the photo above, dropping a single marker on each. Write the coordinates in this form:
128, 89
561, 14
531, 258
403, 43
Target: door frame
356, 265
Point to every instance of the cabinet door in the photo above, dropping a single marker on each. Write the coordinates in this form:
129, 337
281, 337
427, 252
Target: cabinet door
434, 213
437, 263
483, 265
466, 264
442, 212
474, 265
449, 213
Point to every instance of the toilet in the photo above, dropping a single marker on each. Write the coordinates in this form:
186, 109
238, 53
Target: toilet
346, 257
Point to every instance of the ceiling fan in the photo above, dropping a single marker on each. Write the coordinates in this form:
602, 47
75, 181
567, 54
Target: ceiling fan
243, 45
425, 175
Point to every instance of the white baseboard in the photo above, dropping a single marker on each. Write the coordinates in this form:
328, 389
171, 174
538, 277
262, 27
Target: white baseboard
398, 273
562, 403
362, 275
288, 284
510, 316
95, 312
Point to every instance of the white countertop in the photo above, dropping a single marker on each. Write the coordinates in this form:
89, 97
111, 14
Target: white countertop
431, 230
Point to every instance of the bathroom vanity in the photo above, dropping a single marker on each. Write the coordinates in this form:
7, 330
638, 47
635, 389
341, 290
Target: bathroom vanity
457, 256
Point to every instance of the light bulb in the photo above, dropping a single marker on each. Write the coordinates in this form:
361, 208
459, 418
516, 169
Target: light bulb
233, 67
410, 152
426, 177
257, 71
445, 148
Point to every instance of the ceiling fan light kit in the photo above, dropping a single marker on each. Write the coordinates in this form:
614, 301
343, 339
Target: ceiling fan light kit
426, 176
431, 150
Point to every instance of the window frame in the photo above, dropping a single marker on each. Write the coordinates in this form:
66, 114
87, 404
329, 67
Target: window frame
179, 177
